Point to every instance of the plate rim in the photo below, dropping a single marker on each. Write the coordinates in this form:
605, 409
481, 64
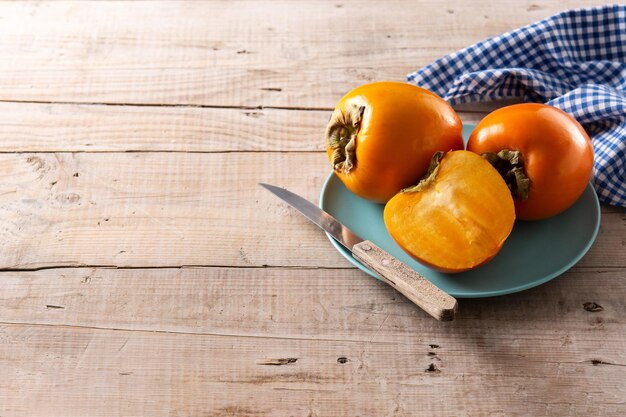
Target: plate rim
483, 294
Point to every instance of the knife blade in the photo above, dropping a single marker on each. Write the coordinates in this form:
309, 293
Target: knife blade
400, 276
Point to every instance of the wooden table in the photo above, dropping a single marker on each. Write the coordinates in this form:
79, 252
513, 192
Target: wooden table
144, 272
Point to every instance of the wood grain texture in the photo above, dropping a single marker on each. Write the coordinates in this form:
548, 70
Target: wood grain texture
310, 303
271, 53
302, 342
37, 127
59, 127
158, 374
172, 209
132, 139
158, 209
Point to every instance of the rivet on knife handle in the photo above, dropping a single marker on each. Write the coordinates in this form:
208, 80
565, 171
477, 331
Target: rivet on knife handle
406, 280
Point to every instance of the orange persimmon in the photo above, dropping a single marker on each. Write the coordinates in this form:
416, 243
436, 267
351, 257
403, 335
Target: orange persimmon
381, 136
457, 217
544, 154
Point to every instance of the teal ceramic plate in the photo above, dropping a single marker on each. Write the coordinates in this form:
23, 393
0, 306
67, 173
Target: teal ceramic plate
534, 253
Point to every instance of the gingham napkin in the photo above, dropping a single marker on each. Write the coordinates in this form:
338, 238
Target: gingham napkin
575, 60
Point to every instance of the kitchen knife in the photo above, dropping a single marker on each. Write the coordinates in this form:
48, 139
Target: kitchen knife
406, 280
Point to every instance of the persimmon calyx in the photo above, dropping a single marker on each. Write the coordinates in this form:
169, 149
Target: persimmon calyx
430, 175
510, 166
341, 133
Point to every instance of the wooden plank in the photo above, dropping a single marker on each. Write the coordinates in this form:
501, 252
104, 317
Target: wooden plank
311, 303
158, 209
306, 342
36, 127
77, 372
243, 53
312, 336
172, 209
103, 128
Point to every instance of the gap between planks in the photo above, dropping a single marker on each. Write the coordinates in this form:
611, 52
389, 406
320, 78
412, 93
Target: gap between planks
463, 108
217, 266
173, 105
191, 266
131, 151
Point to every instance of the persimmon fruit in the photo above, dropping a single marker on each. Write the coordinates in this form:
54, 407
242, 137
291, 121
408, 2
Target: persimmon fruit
544, 154
381, 137
457, 218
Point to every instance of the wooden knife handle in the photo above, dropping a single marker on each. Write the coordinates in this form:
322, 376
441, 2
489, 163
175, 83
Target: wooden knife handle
406, 280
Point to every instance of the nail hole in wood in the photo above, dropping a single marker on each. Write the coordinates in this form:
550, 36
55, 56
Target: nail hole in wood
593, 307
432, 368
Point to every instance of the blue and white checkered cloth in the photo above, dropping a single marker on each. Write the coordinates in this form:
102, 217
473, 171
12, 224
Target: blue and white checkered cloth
575, 60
